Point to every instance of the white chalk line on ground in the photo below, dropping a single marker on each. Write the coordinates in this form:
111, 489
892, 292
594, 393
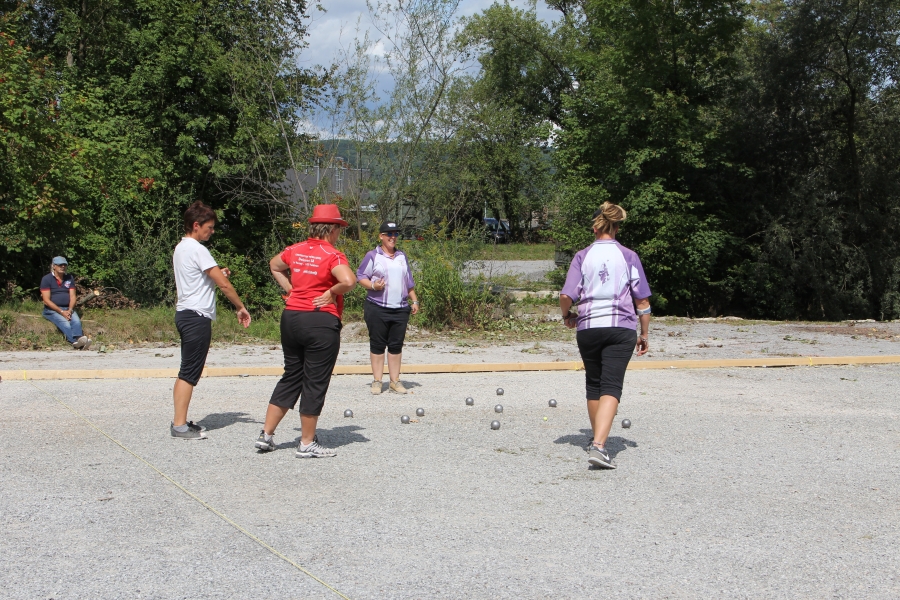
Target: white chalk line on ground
192, 495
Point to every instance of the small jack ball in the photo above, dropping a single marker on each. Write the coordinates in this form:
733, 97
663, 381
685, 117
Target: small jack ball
348, 413
404, 419
626, 423
420, 412
495, 425
499, 391
498, 408
552, 404
470, 401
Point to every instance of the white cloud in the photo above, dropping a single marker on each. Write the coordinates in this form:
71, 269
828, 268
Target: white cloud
335, 28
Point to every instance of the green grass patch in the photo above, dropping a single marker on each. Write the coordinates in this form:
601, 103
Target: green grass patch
23, 328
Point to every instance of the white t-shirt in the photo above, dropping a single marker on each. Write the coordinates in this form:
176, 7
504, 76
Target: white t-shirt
196, 290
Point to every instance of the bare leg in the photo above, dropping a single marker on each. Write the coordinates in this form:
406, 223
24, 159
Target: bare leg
308, 428
377, 365
394, 366
182, 397
602, 412
274, 415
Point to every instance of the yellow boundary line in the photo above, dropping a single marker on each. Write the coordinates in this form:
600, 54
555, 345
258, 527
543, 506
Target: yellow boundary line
194, 496
634, 365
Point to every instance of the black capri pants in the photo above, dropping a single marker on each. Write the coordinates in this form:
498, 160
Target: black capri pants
387, 327
605, 352
311, 342
196, 333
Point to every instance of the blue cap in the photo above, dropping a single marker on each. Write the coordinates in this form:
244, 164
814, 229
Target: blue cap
60, 260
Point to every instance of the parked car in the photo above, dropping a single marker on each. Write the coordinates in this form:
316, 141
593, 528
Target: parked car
497, 232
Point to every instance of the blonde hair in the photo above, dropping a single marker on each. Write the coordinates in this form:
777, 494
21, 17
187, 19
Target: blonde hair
608, 217
320, 230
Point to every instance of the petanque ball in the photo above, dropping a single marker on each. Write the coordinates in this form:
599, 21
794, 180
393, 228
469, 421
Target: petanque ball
348, 413
626, 423
404, 419
552, 404
499, 391
495, 425
498, 408
420, 412
470, 401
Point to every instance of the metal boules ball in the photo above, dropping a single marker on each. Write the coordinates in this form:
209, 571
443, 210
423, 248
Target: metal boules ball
420, 412
499, 391
626, 423
470, 401
498, 408
495, 425
404, 419
552, 404
348, 413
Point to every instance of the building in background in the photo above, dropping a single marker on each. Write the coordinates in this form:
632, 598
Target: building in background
329, 181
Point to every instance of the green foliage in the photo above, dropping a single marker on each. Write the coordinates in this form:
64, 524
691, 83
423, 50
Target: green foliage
113, 126
757, 157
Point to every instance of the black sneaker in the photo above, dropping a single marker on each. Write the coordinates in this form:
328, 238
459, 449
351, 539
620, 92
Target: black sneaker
194, 432
599, 457
262, 444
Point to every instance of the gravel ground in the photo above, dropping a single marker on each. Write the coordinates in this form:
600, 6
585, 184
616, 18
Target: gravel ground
670, 339
734, 483
529, 270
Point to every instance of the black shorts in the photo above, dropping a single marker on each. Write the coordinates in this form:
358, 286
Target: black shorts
605, 352
387, 327
196, 333
311, 342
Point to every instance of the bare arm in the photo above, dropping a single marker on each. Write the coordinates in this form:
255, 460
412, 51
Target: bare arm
346, 280
415, 301
642, 344
565, 305
281, 272
219, 278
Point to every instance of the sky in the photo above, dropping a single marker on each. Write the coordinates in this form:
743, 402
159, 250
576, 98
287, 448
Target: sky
330, 30
334, 29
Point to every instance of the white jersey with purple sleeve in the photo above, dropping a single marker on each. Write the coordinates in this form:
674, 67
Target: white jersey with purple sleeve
394, 271
603, 281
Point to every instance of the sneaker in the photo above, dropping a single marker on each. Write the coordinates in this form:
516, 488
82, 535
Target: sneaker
599, 457
80, 342
87, 344
397, 387
262, 444
314, 450
375, 388
194, 432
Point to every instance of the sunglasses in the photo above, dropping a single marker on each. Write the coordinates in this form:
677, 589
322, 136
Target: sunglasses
392, 234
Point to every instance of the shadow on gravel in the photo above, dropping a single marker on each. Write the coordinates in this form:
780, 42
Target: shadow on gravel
614, 444
222, 420
337, 436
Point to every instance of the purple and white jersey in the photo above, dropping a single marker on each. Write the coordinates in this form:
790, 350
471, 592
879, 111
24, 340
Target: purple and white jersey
395, 272
603, 281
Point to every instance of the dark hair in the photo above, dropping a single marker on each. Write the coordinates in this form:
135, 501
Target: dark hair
197, 213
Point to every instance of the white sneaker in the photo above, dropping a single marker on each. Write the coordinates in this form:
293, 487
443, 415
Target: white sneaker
80, 342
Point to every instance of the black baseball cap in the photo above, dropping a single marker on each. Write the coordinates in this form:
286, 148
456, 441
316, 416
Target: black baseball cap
388, 226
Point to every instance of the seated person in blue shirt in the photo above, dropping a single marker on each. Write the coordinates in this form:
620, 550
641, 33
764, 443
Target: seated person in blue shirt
58, 294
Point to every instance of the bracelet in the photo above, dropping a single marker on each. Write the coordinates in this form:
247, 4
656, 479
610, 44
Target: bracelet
416, 302
643, 311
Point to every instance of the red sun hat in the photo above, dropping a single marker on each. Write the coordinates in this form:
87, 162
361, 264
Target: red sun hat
327, 213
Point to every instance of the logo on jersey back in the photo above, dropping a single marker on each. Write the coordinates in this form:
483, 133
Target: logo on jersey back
604, 274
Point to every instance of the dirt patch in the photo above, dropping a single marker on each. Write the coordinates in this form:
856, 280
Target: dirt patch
878, 331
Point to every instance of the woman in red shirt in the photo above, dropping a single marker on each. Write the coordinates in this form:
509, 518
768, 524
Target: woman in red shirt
316, 276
